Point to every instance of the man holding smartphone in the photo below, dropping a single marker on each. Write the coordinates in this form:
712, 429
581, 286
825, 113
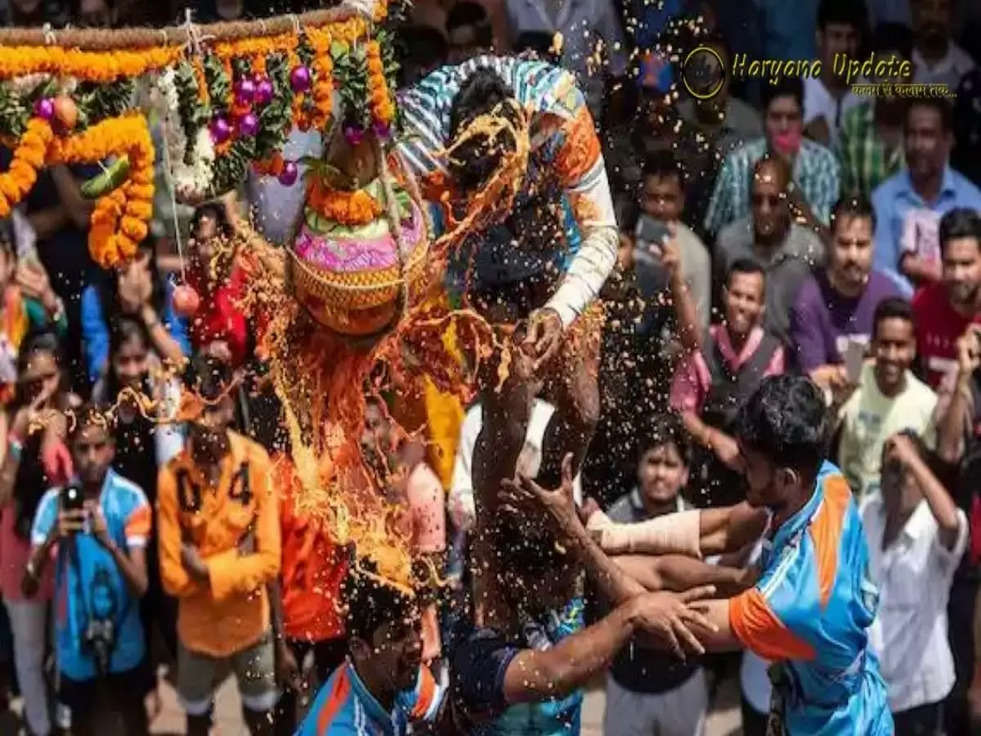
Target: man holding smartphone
100, 524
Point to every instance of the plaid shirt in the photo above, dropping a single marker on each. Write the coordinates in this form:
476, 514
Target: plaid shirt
815, 172
865, 162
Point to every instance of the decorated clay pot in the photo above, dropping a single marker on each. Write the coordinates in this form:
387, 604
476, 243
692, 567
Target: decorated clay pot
348, 277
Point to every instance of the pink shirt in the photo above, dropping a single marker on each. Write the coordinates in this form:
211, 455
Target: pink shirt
427, 514
692, 380
14, 554
427, 507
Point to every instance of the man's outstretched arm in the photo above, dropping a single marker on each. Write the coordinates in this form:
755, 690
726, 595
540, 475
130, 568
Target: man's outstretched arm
695, 533
534, 675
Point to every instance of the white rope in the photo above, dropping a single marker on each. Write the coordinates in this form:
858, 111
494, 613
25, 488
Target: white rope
168, 175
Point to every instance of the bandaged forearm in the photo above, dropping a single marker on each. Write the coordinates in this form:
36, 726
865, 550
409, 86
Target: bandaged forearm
589, 269
677, 533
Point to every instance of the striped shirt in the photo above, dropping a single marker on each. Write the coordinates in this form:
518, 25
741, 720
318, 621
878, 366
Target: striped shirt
561, 127
865, 160
815, 172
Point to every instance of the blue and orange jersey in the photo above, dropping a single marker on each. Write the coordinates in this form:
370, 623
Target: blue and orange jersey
809, 613
344, 706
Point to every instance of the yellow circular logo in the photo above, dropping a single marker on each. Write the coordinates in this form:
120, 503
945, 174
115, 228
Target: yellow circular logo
703, 72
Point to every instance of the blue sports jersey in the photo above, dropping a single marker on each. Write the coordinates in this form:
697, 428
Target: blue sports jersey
344, 706
480, 662
88, 583
809, 613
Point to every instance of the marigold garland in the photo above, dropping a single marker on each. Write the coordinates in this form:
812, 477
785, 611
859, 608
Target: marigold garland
382, 107
323, 86
28, 157
345, 208
89, 66
119, 220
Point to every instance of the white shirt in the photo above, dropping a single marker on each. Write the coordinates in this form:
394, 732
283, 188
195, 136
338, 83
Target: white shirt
461, 502
909, 634
820, 103
949, 70
593, 44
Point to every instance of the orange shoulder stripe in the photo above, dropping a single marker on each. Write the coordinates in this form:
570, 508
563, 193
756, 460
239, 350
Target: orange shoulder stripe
140, 522
337, 697
427, 691
756, 625
826, 532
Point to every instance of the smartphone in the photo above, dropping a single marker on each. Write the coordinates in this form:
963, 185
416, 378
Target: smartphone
650, 234
71, 498
854, 356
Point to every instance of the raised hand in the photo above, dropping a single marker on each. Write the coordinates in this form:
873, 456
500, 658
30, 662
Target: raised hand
558, 504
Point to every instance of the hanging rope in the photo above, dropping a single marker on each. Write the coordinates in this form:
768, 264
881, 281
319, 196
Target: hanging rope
94, 39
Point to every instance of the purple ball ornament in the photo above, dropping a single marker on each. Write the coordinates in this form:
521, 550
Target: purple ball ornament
263, 91
300, 79
248, 125
44, 108
221, 130
381, 129
353, 134
244, 91
287, 177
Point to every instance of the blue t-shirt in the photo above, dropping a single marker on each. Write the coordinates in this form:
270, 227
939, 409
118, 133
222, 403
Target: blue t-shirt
480, 662
345, 706
88, 583
809, 613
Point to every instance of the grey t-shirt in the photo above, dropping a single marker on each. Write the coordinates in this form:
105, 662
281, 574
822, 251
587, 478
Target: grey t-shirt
786, 267
635, 668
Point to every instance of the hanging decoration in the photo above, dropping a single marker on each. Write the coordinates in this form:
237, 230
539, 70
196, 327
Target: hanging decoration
226, 95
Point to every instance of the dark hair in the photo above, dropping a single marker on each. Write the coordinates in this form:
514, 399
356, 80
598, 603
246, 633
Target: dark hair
853, 205
787, 421
943, 108
539, 43
471, 14
122, 329
850, 12
926, 454
960, 222
785, 87
216, 212
665, 429
370, 603
769, 159
422, 47
474, 161
208, 376
747, 266
39, 340
892, 37
892, 307
88, 415
32, 481
8, 242
663, 164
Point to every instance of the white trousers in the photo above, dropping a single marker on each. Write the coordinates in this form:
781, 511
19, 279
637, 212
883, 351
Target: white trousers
678, 712
28, 622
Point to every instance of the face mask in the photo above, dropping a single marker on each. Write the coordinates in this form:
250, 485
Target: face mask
787, 143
